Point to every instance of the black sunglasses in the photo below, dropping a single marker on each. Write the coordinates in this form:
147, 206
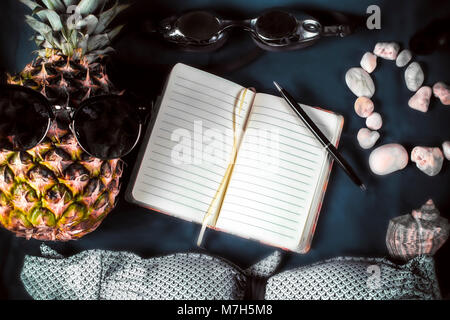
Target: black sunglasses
105, 127
273, 30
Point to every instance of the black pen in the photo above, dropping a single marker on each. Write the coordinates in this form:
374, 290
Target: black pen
321, 137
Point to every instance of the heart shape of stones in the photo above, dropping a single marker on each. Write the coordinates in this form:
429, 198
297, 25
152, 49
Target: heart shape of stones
392, 157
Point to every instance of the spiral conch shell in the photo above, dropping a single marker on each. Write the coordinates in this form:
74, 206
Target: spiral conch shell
423, 231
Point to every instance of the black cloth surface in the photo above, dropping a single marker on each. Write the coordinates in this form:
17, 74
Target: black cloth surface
351, 222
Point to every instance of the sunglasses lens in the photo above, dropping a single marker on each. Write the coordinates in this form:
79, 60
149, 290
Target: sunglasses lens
275, 25
107, 128
24, 118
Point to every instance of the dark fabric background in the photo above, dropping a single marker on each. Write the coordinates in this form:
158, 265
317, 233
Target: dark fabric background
351, 222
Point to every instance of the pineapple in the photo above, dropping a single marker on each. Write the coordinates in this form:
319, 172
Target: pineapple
55, 191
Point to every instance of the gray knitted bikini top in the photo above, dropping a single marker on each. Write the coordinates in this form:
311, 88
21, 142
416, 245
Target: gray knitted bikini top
99, 274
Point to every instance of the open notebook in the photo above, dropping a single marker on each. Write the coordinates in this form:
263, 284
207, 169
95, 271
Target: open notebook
274, 191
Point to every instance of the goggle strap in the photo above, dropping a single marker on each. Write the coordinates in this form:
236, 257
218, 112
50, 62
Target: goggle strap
336, 31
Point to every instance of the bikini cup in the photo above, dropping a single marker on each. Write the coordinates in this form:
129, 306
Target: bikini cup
100, 274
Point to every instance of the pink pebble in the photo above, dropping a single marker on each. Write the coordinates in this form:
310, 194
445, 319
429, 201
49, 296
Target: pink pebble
364, 107
387, 50
367, 138
388, 158
446, 149
428, 160
369, 62
374, 121
421, 99
442, 91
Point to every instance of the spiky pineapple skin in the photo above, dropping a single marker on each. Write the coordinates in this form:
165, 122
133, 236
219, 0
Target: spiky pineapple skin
56, 191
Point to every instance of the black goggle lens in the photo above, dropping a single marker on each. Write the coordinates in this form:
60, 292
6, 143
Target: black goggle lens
199, 25
24, 118
107, 128
276, 25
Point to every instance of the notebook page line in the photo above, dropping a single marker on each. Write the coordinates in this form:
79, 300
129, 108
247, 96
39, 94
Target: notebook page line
173, 200
266, 195
314, 154
238, 224
179, 185
205, 102
230, 102
192, 121
176, 193
208, 87
285, 152
254, 184
169, 157
271, 205
203, 142
277, 174
289, 113
212, 161
258, 219
197, 108
190, 95
180, 177
283, 129
259, 152
284, 160
298, 151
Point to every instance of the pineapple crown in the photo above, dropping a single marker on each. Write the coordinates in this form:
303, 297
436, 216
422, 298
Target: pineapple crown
75, 28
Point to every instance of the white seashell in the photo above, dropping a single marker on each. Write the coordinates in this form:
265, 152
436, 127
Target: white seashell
368, 62
367, 138
387, 50
363, 107
414, 76
403, 58
374, 121
428, 160
446, 149
388, 158
421, 99
360, 82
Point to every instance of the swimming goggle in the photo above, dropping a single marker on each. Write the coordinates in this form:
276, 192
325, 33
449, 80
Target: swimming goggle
274, 30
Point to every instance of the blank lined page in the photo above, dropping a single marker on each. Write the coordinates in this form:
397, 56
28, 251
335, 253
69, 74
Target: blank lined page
190, 144
276, 173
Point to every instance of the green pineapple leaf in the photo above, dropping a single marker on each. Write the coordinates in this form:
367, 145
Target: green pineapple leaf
38, 26
67, 49
30, 4
74, 38
52, 40
97, 42
114, 32
46, 44
68, 3
55, 5
53, 18
38, 39
38, 11
66, 34
83, 43
41, 52
88, 24
108, 16
92, 56
89, 6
